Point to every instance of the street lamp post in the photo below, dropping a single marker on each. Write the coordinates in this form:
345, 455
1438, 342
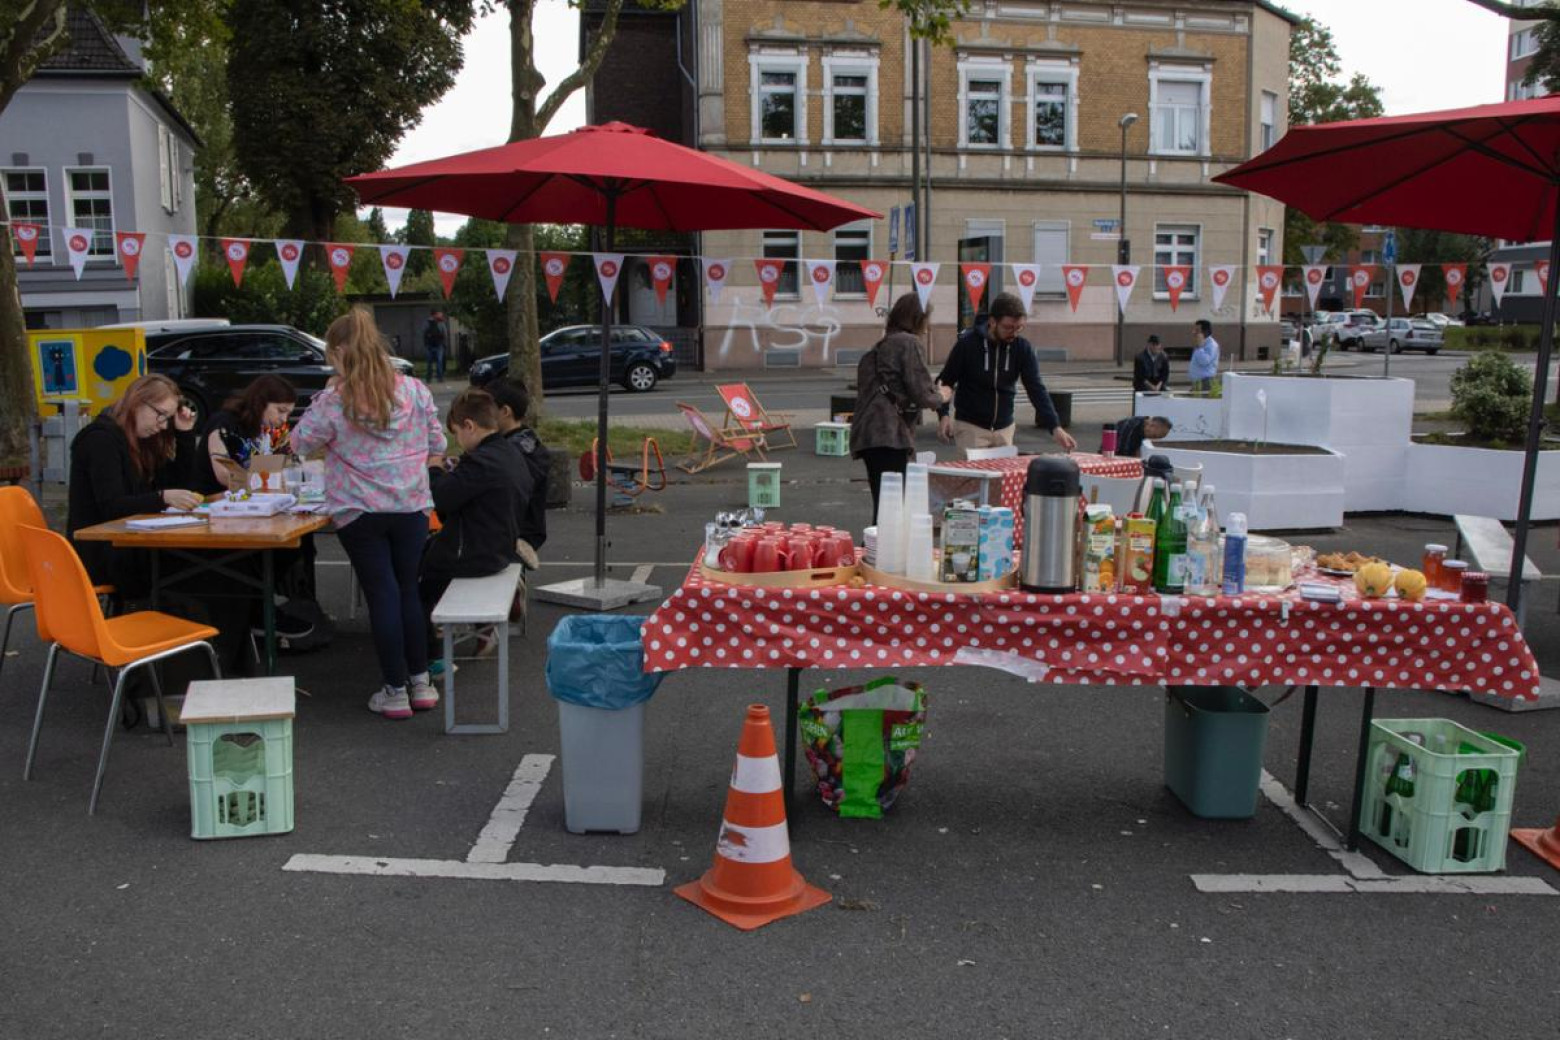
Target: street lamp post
1123, 244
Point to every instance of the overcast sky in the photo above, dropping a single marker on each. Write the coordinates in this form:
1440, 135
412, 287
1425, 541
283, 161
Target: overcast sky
1423, 54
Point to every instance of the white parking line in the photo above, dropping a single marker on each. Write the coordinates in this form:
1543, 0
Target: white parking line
642, 573
384, 866
508, 816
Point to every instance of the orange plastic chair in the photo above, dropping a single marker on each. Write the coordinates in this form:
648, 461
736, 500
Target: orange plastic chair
71, 618
18, 509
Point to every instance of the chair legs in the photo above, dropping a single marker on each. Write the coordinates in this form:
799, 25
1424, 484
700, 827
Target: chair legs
163, 717
5, 641
43, 696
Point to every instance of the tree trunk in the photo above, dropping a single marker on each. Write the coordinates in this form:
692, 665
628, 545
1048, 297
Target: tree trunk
525, 358
17, 407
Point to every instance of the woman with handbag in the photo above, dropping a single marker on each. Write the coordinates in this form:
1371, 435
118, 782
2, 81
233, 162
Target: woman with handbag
892, 387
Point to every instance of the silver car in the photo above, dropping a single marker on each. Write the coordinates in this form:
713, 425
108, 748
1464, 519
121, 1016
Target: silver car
1404, 334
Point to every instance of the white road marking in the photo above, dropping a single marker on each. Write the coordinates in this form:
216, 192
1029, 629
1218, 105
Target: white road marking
383, 866
508, 816
1357, 864
642, 573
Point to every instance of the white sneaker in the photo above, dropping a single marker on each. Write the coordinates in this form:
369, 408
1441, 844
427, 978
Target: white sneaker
422, 694
391, 702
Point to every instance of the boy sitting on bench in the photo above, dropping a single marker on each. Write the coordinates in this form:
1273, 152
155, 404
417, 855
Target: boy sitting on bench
514, 401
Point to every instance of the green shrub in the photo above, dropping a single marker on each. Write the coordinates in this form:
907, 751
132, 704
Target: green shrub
1492, 396
264, 299
1508, 337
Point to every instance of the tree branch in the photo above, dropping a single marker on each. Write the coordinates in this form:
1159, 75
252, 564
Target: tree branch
594, 55
19, 55
1521, 14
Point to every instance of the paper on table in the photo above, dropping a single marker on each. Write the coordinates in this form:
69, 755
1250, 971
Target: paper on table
152, 523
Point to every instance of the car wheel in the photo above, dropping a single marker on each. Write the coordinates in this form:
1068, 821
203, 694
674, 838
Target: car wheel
640, 377
1432, 352
198, 405
1393, 347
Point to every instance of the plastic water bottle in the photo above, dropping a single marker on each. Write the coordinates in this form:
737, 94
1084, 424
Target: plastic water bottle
1202, 547
1233, 579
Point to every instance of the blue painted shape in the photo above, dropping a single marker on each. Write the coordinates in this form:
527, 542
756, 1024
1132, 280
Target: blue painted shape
113, 363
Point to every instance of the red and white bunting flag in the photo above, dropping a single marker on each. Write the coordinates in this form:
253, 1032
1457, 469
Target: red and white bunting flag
1126, 280
27, 238
501, 265
925, 277
662, 268
290, 252
1315, 275
1269, 278
975, 278
872, 274
1075, 275
1027, 278
339, 255
609, 267
1176, 277
1360, 278
715, 274
1408, 281
394, 260
129, 244
184, 249
821, 274
1542, 268
448, 262
237, 252
1500, 278
1221, 277
78, 243
769, 272
554, 267
1456, 275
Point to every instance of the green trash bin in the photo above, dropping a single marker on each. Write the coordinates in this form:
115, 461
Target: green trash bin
1214, 740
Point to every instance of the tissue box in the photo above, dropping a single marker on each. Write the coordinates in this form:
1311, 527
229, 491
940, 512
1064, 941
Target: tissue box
996, 542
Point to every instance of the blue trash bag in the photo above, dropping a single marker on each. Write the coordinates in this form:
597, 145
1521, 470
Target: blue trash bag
597, 660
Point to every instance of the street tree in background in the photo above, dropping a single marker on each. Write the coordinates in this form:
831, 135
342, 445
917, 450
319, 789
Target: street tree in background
324, 89
419, 231
1434, 248
1319, 94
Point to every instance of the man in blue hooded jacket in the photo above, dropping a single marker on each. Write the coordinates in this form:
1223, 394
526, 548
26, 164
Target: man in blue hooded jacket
984, 369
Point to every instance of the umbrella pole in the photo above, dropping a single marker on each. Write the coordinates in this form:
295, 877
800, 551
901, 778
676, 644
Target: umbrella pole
601, 406
1546, 343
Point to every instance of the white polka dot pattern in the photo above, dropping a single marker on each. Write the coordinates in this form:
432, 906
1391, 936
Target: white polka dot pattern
1015, 470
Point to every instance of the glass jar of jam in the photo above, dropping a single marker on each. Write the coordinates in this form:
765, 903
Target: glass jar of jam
1451, 576
1435, 555
1475, 587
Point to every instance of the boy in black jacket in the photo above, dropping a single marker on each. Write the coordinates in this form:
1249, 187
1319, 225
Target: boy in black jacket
479, 502
513, 402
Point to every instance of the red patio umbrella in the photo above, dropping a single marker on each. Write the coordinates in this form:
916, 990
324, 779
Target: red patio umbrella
1493, 170
612, 176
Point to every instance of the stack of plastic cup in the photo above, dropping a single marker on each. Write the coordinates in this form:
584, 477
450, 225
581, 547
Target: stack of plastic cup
891, 527
918, 561
916, 496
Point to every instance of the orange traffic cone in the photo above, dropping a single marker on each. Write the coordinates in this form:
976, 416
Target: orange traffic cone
1543, 844
752, 881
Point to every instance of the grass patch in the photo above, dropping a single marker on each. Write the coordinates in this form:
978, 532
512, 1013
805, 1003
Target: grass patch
1514, 338
576, 436
1462, 440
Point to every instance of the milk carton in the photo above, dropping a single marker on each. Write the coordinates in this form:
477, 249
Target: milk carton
960, 542
996, 542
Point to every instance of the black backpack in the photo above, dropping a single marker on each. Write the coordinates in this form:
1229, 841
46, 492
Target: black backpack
533, 525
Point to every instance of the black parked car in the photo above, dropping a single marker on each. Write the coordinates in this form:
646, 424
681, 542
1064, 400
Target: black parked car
209, 363
571, 356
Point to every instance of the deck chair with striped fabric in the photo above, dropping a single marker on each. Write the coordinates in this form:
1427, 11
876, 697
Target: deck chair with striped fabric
712, 446
745, 413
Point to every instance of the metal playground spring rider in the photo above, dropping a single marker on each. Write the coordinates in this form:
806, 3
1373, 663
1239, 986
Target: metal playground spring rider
626, 480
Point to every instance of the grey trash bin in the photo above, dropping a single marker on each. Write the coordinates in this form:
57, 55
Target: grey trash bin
595, 673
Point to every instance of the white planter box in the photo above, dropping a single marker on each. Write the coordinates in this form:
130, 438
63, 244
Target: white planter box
1276, 492
1478, 481
1194, 418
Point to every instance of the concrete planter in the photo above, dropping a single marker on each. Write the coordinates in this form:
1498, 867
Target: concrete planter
1194, 418
1477, 481
1276, 492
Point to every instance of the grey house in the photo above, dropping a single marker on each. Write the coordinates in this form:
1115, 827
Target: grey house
85, 143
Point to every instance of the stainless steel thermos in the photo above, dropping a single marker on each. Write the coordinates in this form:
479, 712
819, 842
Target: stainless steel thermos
1049, 561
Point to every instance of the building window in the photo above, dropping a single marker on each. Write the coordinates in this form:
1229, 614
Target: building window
1175, 244
1264, 245
778, 106
1052, 250
852, 248
1269, 120
850, 100
779, 94
27, 202
784, 245
92, 206
1178, 101
168, 169
983, 104
1524, 43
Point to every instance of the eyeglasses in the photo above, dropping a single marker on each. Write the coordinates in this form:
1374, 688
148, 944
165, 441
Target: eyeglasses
1009, 326
163, 418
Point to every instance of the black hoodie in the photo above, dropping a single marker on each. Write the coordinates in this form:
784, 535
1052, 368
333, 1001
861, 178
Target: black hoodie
480, 503
985, 377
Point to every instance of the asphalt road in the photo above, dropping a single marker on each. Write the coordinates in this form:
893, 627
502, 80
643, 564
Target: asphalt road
1033, 881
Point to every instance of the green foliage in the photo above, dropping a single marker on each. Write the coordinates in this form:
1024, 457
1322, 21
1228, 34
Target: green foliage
311, 305
625, 442
1516, 338
1434, 248
1492, 397
930, 19
1545, 65
419, 231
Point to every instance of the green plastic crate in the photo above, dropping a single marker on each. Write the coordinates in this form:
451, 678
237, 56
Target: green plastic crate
832, 439
1431, 831
241, 778
763, 485
1215, 737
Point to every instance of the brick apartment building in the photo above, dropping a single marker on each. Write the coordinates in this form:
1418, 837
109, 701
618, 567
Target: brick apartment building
1025, 156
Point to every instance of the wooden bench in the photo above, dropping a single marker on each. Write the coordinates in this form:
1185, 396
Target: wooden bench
478, 601
1490, 548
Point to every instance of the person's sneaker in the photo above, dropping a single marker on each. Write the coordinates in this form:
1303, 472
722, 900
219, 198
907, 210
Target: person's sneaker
486, 642
391, 702
288, 626
422, 694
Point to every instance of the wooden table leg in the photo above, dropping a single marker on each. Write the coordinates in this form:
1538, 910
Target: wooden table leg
1367, 710
1307, 737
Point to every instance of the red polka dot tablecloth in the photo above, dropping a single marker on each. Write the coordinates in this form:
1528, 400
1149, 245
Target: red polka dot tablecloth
1016, 469
1109, 640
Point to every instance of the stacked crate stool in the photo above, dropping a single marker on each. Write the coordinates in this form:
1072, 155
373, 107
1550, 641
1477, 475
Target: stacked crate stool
764, 485
832, 439
239, 744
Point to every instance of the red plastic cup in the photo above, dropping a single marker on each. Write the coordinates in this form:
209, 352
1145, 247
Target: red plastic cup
769, 556
737, 555
799, 553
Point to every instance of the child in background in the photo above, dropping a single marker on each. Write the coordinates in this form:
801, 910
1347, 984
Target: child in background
479, 499
514, 401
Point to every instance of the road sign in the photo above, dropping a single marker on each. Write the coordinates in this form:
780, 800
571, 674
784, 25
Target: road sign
893, 230
910, 232
1313, 254
1105, 225
1389, 248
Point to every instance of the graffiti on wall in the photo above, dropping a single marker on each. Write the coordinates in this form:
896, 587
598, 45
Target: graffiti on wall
754, 328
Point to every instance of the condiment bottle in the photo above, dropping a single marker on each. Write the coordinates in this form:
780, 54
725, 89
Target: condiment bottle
1475, 587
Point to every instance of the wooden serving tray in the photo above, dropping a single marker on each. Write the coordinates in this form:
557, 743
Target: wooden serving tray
898, 581
817, 578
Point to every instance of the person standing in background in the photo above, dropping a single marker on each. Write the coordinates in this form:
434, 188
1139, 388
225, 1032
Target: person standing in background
435, 343
1151, 368
1205, 356
984, 368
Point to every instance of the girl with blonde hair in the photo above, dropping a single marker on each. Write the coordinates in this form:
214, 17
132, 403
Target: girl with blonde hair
379, 432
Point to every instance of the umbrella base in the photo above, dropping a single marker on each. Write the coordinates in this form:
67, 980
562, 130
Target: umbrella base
584, 592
